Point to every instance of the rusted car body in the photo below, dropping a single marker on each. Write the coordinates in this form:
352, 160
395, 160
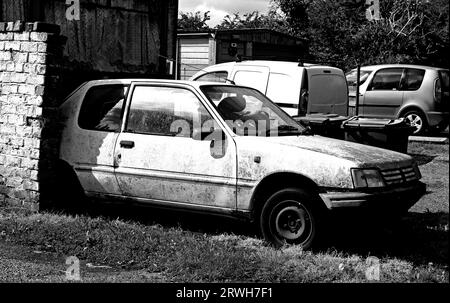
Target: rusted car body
231, 173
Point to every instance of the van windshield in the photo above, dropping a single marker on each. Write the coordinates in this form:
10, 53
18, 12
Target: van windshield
249, 113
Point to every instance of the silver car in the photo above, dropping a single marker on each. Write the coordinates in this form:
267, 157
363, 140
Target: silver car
223, 149
418, 93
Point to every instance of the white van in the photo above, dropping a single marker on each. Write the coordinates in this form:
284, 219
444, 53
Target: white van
297, 88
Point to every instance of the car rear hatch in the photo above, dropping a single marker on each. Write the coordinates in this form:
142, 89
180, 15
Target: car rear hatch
442, 91
328, 92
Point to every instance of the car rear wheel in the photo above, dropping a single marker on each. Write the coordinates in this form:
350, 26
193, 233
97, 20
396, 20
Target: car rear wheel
416, 119
288, 217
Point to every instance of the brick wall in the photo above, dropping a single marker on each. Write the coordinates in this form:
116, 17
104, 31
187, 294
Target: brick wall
29, 74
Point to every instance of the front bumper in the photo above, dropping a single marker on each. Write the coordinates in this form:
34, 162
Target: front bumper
399, 198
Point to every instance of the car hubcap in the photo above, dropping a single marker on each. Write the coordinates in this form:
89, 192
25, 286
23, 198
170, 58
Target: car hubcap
416, 121
293, 222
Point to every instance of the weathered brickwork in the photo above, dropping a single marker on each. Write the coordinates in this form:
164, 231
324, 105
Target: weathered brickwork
28, 140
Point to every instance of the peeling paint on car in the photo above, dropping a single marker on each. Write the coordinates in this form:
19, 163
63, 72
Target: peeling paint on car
183, 170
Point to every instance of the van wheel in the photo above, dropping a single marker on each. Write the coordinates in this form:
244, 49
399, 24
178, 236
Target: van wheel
288, 217
416, 119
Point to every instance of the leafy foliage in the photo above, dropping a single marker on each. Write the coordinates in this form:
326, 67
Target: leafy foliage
193, 21
409, 31
338, 33
273, 20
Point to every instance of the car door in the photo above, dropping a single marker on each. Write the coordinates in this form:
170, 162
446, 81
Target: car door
158, 159
328, 93
383, 96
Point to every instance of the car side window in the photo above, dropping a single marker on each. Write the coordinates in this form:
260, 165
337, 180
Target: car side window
413, 79
165, 111
214, 77
387, 79
102, 108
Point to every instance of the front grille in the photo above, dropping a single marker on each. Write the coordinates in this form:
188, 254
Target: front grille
399, 176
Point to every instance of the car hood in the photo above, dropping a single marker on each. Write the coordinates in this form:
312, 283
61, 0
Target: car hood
361, 155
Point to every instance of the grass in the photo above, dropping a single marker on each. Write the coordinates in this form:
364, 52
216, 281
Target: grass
434, 166
186, 256
202, 249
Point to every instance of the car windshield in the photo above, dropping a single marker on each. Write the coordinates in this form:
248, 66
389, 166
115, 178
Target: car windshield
249, 113
351, 78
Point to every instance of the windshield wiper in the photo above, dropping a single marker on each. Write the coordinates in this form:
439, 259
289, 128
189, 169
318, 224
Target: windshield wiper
289, 129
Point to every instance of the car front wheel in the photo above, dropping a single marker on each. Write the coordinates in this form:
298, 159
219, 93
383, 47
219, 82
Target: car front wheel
289, 217
416, 119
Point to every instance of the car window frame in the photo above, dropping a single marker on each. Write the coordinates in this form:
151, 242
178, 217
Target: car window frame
200, 98
122, 111
399, 88
213, 72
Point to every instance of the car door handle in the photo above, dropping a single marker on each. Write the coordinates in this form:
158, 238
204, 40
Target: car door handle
127, 144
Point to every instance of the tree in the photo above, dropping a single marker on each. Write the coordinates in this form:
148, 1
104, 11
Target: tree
296, 15
194, 21
273, 20
410, 31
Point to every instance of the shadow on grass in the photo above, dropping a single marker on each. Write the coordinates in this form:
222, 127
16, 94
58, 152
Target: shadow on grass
419, 238
169, 218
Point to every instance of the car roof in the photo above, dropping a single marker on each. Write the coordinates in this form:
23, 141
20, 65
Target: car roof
228, 66
166, 81
268, 63
378, 66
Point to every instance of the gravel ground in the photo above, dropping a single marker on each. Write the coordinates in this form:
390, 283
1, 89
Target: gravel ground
19, 264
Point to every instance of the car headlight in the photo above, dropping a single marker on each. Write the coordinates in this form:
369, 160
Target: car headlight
366, 178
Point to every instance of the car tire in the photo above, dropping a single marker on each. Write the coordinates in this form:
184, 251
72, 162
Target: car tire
290, 216
418, 120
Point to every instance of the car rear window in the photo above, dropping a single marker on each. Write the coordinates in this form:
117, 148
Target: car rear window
413, 79
102, 108
444, 77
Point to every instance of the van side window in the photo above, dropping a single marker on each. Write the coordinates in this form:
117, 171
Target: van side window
279, 89
102, 108
387, 79
252, 78
413, 79
214, 77
165, 111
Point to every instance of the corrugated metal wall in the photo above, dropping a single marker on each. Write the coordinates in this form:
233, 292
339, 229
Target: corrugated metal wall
111, 35
112, 39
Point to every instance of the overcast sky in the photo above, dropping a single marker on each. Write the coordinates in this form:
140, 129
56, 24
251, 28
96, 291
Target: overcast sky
220, 8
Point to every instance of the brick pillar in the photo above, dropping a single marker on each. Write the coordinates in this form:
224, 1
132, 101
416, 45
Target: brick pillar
29, 66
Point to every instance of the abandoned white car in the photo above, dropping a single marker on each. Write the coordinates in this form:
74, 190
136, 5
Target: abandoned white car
221, 149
